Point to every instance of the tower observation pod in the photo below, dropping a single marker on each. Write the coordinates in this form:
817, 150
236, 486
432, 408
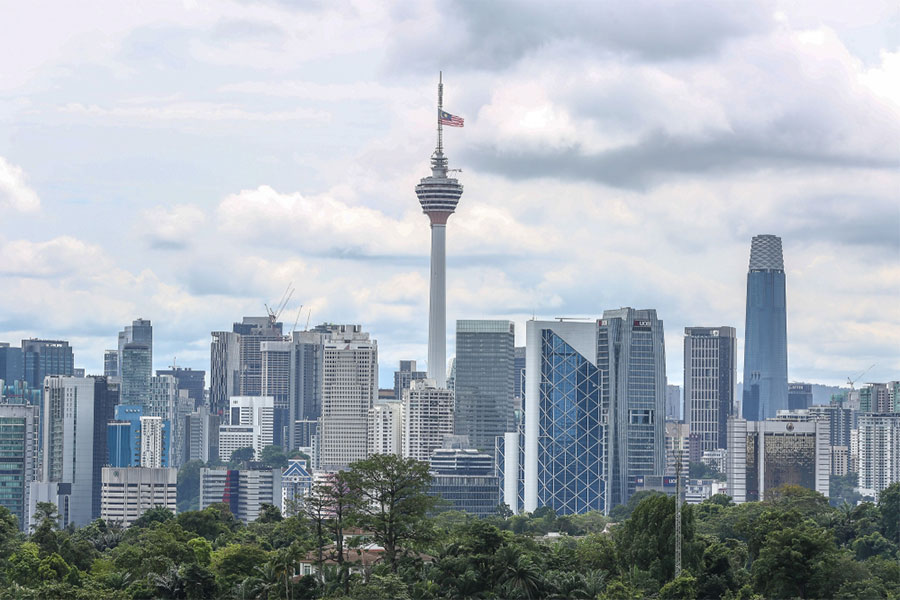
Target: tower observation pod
439, 194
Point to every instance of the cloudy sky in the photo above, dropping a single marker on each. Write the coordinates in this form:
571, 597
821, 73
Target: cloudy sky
186, 161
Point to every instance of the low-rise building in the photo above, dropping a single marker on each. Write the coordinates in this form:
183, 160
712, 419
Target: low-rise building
244, 491
127, 492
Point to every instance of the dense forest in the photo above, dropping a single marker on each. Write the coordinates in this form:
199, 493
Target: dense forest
794, 544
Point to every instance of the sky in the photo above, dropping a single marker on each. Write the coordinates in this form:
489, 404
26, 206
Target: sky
186, 162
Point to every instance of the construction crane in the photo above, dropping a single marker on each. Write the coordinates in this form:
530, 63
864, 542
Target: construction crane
285, 298
858, 377
297, 320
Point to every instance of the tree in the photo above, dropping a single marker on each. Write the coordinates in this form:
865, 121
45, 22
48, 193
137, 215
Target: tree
791, 559
274, 457
683, 587
242, 455
889, 505
236, 562
394, 500
331, 505
842, 488
523, 577
699, 470
157, 514
269, 513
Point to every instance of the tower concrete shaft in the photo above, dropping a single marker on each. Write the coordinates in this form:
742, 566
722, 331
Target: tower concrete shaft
438, 194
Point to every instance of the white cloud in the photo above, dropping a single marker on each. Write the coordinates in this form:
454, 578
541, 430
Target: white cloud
195, 111
14, 191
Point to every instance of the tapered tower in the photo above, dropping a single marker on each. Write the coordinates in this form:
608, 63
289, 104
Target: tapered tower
439, 194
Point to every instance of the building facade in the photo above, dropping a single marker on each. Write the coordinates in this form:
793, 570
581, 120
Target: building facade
465, 479
244, 491
136, 373
406, 375
252, 423
128, 492
765, 342
709, 371
385, 429
879, 452
46, 357
485, 380
141, 332
673, 402
18, 456
427, 418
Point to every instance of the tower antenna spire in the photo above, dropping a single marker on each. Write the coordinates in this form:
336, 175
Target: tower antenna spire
440, 144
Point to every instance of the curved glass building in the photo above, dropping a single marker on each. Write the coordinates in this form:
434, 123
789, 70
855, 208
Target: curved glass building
765, 333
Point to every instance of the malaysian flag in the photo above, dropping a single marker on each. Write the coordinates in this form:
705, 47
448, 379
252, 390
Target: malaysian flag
449, 120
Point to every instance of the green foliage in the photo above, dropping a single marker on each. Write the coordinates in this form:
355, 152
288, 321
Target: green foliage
683, 587
235, 562
791, 558
621, 512
211, 522
841, 488
240, 457
699, 470
889, 505
274, 457
157, 514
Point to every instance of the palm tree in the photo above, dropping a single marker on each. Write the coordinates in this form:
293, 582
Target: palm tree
169, 584
524, 577
269, 578
248, 589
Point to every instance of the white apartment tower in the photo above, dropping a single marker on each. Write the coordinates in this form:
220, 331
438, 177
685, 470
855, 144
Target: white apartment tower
879, 452
152, 442
385, 429
427, 418
349, 390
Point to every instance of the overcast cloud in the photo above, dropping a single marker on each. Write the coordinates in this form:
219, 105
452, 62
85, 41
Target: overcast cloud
186, 161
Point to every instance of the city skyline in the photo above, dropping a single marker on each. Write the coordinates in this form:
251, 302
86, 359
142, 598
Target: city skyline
186, 174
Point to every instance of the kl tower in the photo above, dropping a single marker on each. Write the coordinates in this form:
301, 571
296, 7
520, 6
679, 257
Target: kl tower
439, 195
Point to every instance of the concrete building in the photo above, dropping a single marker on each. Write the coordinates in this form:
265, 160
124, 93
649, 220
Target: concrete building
438, 194
46, 357
155, 442
876, 398
74, 437
427, 418
128, 492
244, 491
709, 371
764, 455
19, 436
879, 452
405, 375
349, 389
252, 422
385, 429
673, 402
224, 371
485, 380
765, 344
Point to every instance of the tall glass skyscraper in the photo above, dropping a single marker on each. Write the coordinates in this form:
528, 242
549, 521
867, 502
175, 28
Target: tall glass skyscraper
46, 357
484, 385
136, 372
765, 332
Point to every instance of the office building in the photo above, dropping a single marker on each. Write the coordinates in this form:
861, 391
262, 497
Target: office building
244, 491
46, 357
306, 386
800, 396
252, 424
519, 376
438, 194
136, 372
485, 380
18, 456
879, 452
673, 402
12, 366
276, 383
128, 492
139, 332
199, 426
188, 380
349, 388
465, 479
296, 482
404, 376
124, 436
110, 363
385, 429
224, 371
765, 455
594, 409
74, 437
427, 418
709, 371
765, 333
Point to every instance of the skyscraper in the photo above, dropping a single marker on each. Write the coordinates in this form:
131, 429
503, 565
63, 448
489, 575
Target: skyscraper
140, 331
800, 396
251, 425
385, 428
190, 380
485, 381
765, 332
349, 389
438, 194
46, 357
11, 366
404, 376
136, 371
709, 371
110, 363
275, 378
18, 456
427, 418
306, 386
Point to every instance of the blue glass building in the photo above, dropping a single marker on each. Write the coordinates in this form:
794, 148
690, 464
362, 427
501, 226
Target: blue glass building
124, 436
765, 332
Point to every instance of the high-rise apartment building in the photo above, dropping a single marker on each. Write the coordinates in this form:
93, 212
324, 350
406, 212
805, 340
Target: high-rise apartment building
709, 371
485, 381
110, 363
128, 492
876, 398
765, 333
385, 429
141, 332
427, 418
252, 424
46, 357
155, 442
199, 426
18, 456
349, 389
765, 455
404, 376
879, 451
12, 367
438, 194
74, 437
